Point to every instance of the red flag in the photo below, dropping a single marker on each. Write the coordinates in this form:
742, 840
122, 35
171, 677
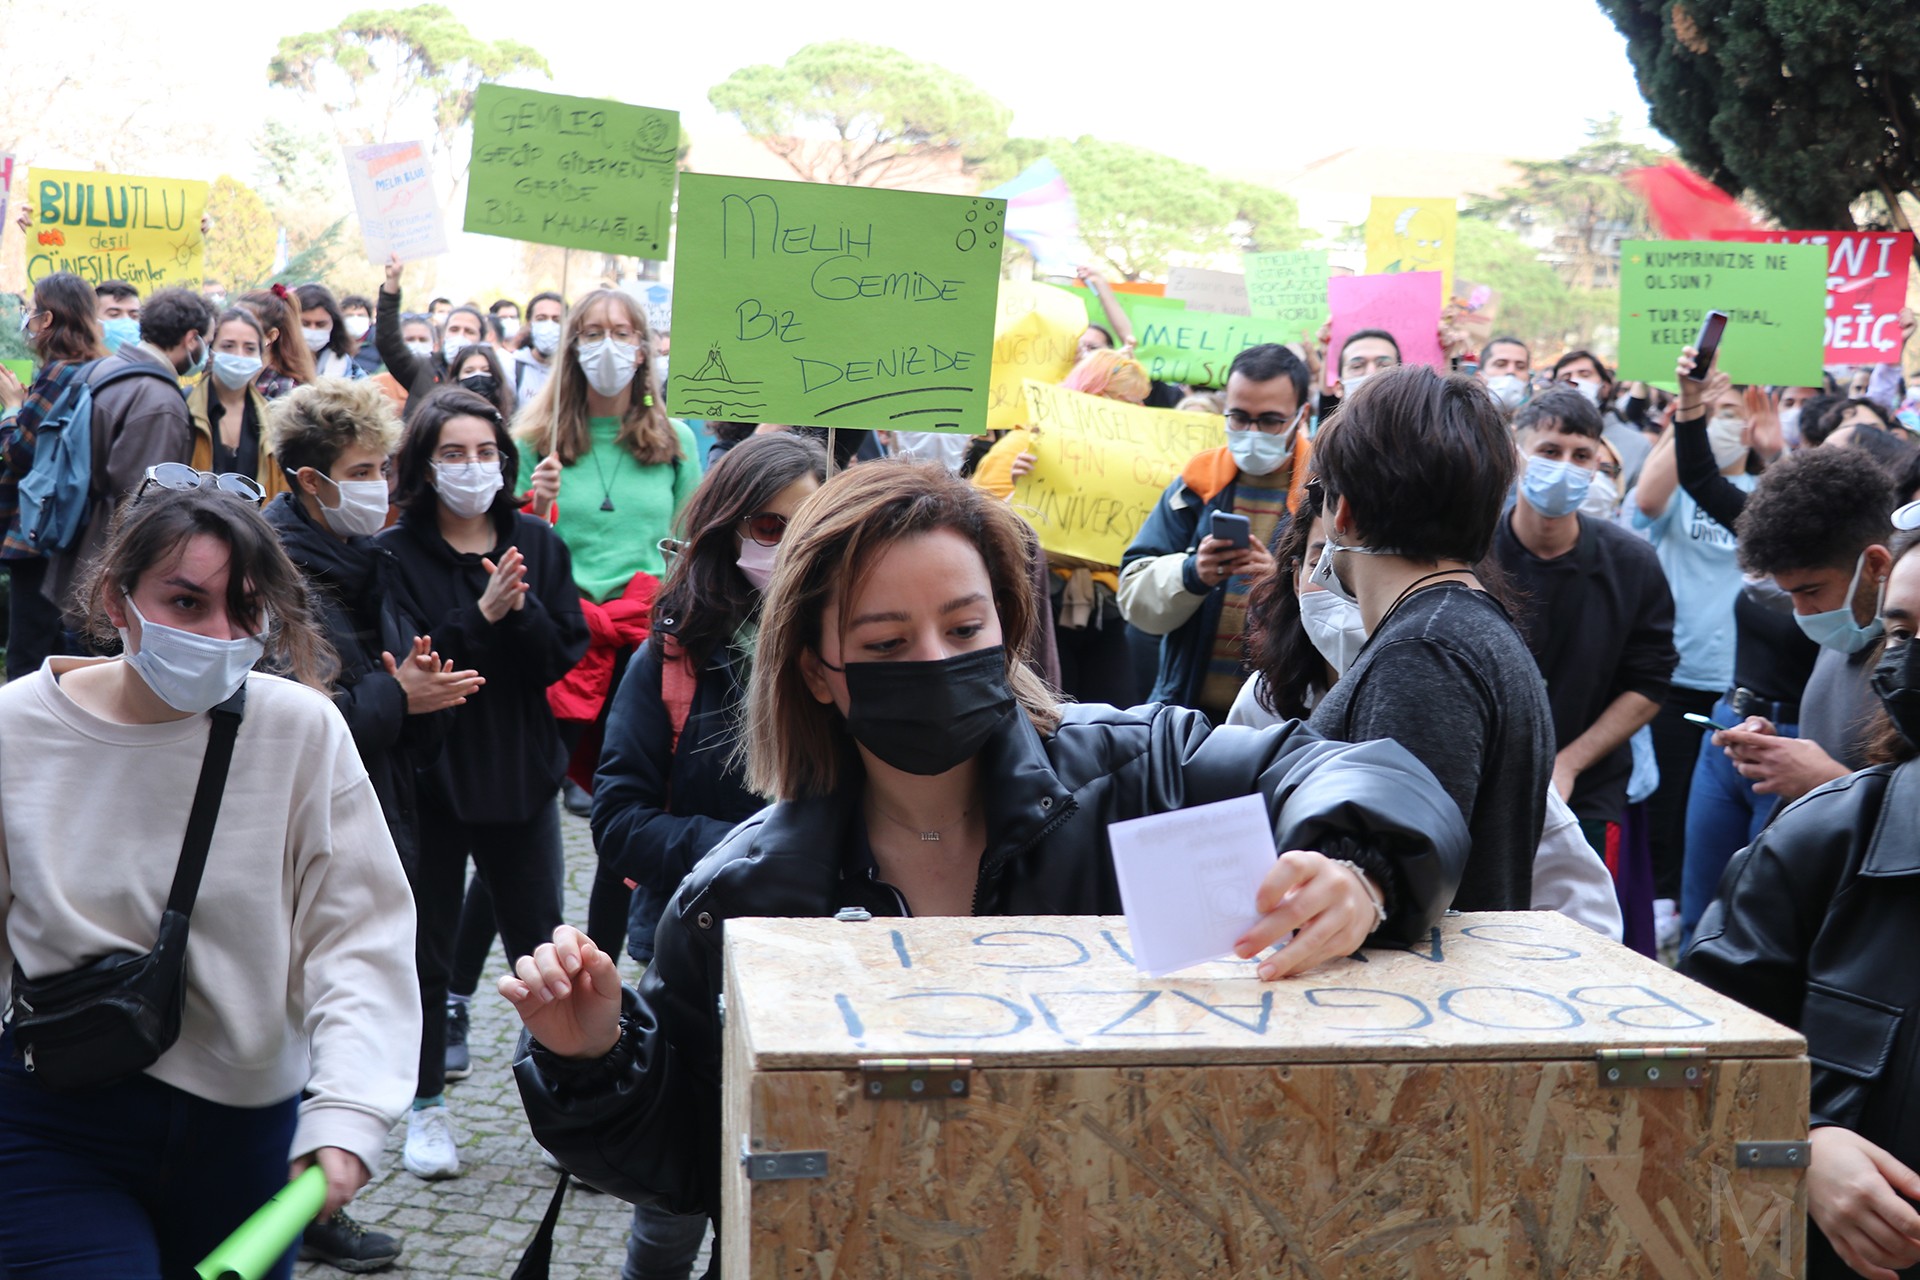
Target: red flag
1684, 205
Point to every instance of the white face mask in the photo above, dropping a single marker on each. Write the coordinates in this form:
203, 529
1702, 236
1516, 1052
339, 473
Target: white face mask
1724, 437
509, 326
1790, 427
1603, 498
362, 511
422, 349
1334, 627
453, 346
546, 336
357, 327
756, 563
317, 339
608, 364
466, 489
1588, 388
1327, 580
189, 672
1509, 390
1352, 382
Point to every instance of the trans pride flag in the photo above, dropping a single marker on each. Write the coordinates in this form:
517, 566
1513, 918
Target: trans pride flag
1041, 216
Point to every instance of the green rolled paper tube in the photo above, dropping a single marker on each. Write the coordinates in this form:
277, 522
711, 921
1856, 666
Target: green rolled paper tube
270, 1232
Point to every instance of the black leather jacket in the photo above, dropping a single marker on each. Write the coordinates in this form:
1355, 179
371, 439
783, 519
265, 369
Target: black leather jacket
1811, 928
643, 1122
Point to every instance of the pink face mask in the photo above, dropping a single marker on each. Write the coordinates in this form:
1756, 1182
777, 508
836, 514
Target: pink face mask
756, 562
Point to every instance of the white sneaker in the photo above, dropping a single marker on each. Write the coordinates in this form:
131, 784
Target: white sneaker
431, 1151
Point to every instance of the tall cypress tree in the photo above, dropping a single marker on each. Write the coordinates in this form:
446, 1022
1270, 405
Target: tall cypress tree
1808, 105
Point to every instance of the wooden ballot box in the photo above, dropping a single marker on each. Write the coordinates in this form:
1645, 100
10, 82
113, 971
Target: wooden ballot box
1516, 1097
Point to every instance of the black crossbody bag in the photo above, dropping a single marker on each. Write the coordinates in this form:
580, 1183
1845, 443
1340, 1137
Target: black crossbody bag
112, 1019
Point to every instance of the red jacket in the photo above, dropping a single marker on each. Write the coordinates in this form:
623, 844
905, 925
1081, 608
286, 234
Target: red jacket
621, 623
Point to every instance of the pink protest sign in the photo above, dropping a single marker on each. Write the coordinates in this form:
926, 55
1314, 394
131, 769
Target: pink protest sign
1406, 305
1866, 287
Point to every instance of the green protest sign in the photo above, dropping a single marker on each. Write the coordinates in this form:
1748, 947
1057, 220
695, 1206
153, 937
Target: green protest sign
1288, 287
1130, 303
809, 304
585, 173
1775, 297
1196, 347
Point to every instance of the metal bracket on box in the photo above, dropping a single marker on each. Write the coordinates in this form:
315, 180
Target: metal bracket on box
775, 1166
1666, 1068
1772, 1155
915, 1079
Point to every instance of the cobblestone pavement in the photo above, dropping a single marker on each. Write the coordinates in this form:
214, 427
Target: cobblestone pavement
478, 1224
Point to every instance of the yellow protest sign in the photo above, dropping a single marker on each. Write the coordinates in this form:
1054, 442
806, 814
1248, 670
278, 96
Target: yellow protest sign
1101, 465
111, 226
1036, 332
1405, 233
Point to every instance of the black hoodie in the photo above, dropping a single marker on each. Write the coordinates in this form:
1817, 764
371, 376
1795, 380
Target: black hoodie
504, 757
359, 601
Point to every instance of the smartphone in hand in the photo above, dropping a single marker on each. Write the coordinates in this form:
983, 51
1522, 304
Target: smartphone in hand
1707, 345
1231, 528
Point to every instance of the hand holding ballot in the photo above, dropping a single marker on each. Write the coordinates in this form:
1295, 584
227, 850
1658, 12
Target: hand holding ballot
1185, 908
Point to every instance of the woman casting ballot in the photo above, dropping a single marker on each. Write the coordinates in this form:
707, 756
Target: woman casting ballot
919, 767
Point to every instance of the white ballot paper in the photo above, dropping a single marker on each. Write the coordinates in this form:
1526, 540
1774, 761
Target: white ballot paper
1188, 878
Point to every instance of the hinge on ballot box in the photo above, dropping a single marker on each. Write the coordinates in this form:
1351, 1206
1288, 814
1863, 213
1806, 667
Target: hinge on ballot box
1664, 1068
915, 1079
776, 1166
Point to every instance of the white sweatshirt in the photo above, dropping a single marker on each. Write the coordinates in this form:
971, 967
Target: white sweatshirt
300, 965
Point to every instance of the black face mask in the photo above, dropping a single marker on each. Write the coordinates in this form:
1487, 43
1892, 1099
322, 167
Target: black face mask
1896, 678
928, 717
484, 385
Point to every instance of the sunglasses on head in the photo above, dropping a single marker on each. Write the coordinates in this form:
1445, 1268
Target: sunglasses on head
182, 478
766, 528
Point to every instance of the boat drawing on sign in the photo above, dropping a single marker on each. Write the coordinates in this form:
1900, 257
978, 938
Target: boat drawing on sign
712, 392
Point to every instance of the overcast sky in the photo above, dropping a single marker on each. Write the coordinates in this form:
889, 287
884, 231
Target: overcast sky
1241, 84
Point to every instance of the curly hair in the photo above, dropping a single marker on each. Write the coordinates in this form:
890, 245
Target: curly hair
1815, 509
313, 425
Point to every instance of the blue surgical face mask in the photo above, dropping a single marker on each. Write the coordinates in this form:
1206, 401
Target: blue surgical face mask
1555, 488
1256, 452
199, 361
1835, 629
234, 371
118, 332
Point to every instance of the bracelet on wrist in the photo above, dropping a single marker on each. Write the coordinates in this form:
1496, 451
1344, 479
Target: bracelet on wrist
1374, 898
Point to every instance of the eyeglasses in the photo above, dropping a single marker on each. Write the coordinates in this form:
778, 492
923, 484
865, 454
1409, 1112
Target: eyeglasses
767, 528
181, 478
454, 456
1240, 420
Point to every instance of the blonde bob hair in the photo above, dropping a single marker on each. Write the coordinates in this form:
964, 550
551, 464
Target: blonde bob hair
1109, 373
798, 746
555, 420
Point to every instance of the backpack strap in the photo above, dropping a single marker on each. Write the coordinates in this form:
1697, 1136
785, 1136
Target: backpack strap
128, 370
676, 684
